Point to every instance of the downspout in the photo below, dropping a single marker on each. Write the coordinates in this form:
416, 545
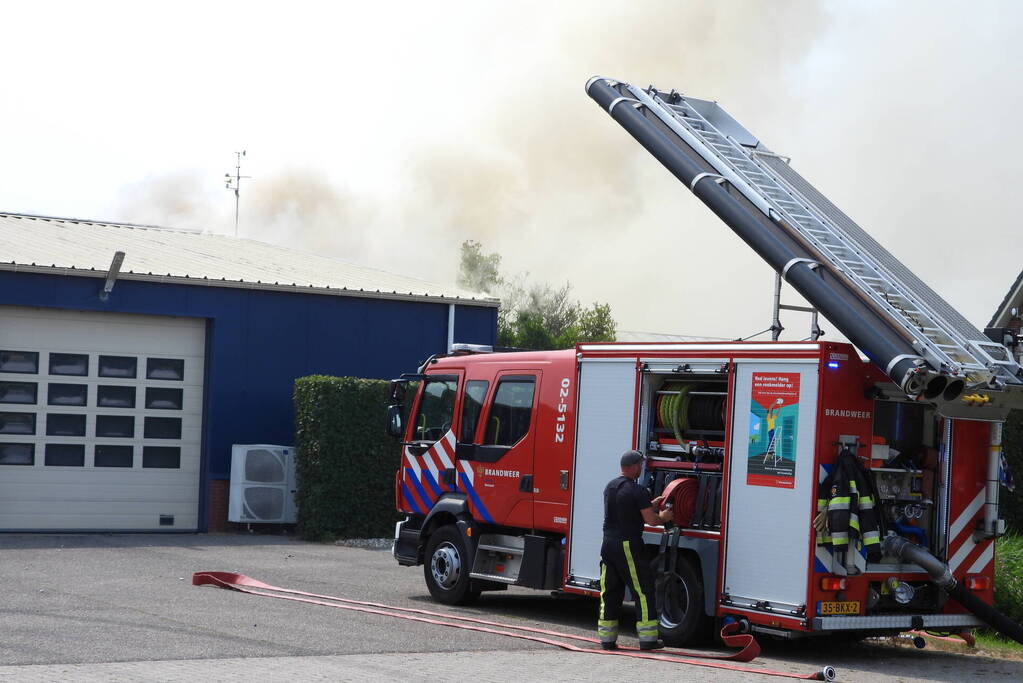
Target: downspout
451, 328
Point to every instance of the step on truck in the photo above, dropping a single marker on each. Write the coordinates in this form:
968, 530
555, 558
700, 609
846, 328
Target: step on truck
818, 487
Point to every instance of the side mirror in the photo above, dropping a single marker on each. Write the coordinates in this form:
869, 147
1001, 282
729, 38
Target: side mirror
398, 390
395, 425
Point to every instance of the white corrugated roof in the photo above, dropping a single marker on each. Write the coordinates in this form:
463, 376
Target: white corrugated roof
634, 336
71, 246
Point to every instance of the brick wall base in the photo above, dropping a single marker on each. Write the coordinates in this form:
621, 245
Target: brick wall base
219, 492
217, 507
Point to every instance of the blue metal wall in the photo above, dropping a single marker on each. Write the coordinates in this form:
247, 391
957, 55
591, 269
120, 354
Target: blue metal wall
259, 341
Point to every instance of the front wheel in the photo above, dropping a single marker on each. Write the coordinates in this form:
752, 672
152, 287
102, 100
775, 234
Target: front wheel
447, 567
680, 615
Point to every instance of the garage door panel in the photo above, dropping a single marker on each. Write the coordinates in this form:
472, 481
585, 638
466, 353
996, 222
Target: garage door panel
55, 521
101, 496
113, 393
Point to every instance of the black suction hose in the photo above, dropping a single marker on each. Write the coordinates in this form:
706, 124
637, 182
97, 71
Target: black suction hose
901, 548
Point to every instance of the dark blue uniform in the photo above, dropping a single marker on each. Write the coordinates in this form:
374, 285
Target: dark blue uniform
622, 562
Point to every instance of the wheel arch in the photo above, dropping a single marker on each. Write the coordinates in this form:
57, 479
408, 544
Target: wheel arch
702, 554
452, 508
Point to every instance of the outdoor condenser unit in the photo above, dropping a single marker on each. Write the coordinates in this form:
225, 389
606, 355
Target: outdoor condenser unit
262, 484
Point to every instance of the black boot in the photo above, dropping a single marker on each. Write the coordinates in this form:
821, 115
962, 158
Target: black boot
652, 645
609, 646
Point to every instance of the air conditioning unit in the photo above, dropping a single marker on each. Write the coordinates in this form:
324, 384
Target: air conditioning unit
262, 484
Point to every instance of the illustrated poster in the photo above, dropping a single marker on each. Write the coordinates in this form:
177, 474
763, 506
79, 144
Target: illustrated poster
773, 430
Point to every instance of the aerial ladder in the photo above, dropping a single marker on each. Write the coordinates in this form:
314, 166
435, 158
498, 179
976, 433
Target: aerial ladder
924, 345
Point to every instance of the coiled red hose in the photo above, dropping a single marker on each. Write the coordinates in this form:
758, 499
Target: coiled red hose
681, 494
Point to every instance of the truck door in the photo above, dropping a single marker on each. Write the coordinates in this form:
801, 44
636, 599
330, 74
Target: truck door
427, 462
771, 485
501, 455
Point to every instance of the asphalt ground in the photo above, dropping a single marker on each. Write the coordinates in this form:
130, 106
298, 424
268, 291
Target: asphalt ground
122, 607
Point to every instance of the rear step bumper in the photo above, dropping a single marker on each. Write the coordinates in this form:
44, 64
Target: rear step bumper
897, 622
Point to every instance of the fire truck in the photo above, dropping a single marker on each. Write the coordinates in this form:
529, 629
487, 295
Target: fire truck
818, 487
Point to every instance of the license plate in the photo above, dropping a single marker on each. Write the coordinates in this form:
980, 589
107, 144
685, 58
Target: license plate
828, 608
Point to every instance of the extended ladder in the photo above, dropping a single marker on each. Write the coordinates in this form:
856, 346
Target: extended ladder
946, 346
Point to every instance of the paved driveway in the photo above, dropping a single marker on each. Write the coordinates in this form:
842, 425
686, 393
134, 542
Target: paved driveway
122, 607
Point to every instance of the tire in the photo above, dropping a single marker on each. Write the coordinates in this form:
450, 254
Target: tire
447, 568
680, 615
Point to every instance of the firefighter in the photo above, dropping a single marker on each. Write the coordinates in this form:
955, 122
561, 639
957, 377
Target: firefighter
627, 506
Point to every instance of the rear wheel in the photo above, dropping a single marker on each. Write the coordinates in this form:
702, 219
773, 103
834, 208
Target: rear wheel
447, 567
680, 615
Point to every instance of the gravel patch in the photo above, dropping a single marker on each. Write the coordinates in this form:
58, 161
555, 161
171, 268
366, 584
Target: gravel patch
365, 543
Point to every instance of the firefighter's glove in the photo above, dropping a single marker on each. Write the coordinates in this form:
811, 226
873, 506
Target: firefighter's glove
820, 522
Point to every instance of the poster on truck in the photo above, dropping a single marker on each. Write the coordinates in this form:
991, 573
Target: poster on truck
773, 430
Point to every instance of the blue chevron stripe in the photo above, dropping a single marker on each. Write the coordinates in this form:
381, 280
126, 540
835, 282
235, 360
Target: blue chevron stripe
410, 499
419, 487
432, 482
475, 498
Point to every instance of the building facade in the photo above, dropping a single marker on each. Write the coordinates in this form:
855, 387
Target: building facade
121, 393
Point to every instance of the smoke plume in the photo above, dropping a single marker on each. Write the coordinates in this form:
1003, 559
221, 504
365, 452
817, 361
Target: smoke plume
871, 101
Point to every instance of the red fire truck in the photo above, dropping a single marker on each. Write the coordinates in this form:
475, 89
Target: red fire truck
505, 455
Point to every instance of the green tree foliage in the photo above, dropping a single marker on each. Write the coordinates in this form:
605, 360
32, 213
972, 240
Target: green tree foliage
346, 461
479, 272
533, 316
596, 323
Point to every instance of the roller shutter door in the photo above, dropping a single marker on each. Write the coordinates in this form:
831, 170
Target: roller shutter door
100, 420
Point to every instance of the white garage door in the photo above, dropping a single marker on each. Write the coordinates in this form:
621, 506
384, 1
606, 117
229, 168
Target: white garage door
100, 420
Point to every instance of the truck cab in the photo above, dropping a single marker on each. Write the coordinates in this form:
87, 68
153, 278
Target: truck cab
487, 452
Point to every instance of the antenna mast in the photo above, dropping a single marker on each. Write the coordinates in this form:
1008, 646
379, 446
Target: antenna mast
237, 179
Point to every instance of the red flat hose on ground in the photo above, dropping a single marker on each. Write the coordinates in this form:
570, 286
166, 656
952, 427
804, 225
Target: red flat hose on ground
750, 648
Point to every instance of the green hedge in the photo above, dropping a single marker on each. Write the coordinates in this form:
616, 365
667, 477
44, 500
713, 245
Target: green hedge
1009, 576
346, 460
1010, 503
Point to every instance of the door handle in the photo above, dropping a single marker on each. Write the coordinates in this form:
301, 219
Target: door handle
526, 483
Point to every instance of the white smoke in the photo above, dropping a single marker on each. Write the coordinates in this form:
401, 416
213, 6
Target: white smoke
902, 114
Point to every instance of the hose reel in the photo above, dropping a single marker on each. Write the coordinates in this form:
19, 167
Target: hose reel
681, 494
685, 407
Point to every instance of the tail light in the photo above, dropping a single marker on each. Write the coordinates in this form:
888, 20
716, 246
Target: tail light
832, 583
977, 583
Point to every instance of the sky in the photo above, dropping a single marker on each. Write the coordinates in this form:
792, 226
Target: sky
387, 133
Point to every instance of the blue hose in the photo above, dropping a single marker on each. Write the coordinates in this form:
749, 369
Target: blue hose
915, 531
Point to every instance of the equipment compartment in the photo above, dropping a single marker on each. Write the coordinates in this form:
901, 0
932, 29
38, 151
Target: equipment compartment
682, 424
904, 469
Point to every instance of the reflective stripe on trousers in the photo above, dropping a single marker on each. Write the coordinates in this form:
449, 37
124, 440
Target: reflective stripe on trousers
623, 564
